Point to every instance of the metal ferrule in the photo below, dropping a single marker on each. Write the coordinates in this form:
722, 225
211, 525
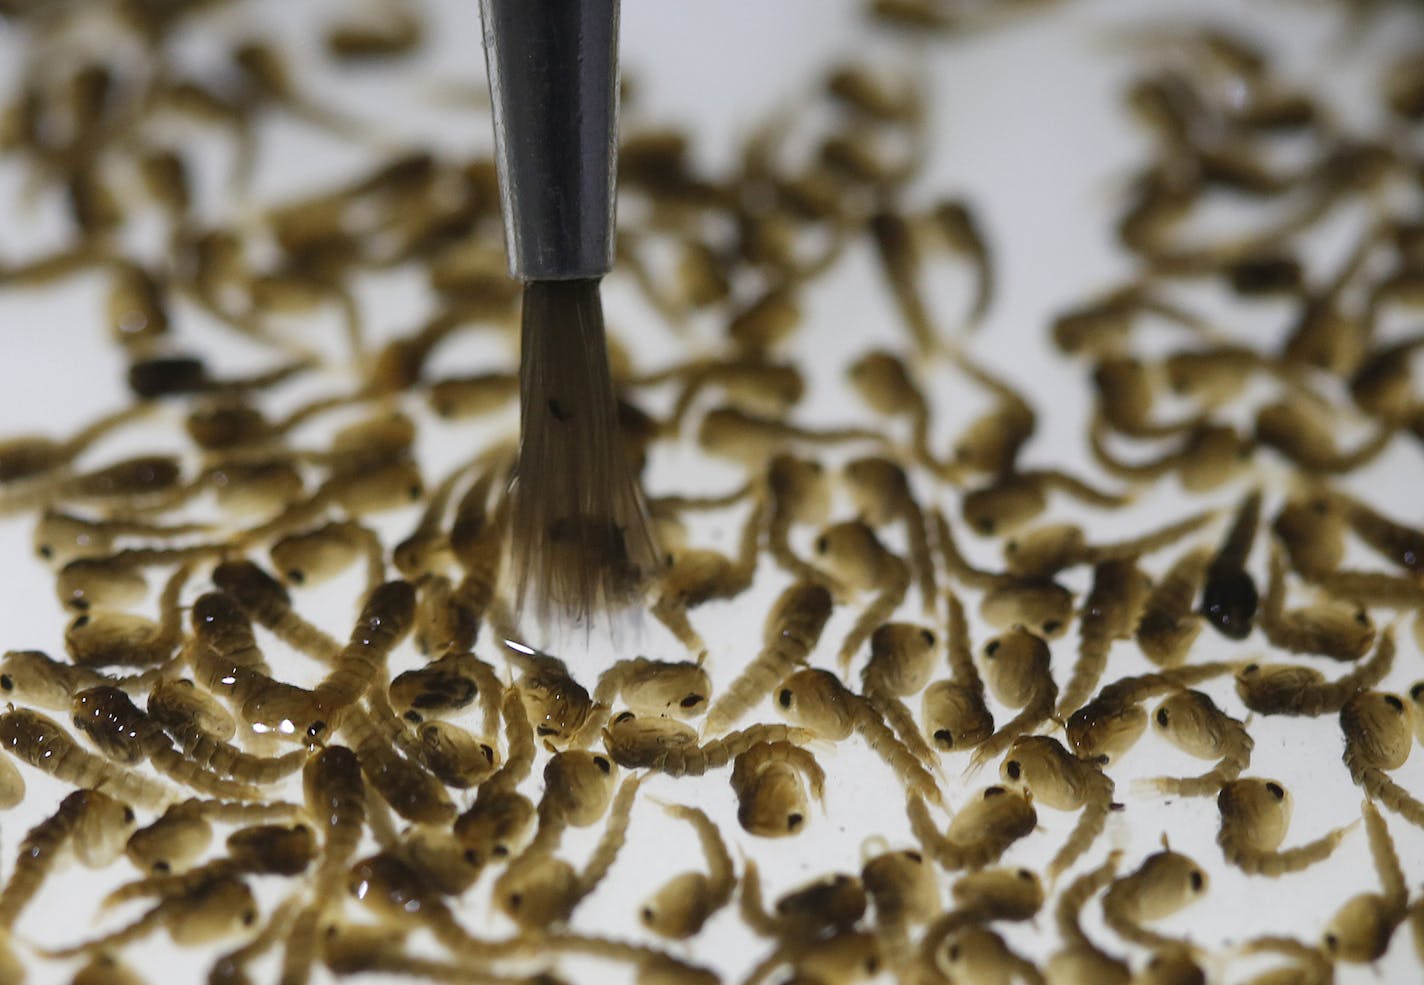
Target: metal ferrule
553, 71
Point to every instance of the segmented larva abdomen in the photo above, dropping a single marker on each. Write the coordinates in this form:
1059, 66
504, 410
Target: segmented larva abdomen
881, 608
190, 774
902, 721
896, 755
1254, 861
771, 666
936, 845
37, 853
1092, 819
222, 757
1093, 645
697, 760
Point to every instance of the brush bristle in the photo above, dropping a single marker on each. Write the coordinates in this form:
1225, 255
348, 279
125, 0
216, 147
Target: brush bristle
581, 543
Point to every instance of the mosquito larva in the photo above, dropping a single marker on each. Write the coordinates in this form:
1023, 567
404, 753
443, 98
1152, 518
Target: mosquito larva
1255, 814
1081, 961
427, 549
1018, 672
60, 537
883, 381
1056, 777
444, 624
792, 629
128, 736
1302, 433
697, 575
1228, 592
1165, 883
856, 559
1007, 502
976, 955
101, 638
881, 491
38, 851
100, 583
1214, 376
655, 687
1192, 722
1168, 626
991, 443
770, 780
979, 833
447, 685
1378, 739
1290, 689
1328, 627
1361, 929
547, 891
1038, 603
179, 836
1111, 612
560, 707
953, 711
1048, 549
683, 904
798, 492
987, 895
904, 889
267, 849
44, 744
1126, 390
314, 556
1209, 456
751, 439
1313, 533
385, 620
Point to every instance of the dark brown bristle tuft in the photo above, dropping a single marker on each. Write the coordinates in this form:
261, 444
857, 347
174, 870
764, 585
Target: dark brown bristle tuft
580, 540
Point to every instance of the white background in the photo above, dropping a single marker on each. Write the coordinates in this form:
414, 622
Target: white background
1028, 124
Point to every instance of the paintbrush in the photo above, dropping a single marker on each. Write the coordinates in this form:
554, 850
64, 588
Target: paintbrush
580, 540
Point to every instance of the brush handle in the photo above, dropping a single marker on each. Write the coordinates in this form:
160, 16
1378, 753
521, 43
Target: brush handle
553, 72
